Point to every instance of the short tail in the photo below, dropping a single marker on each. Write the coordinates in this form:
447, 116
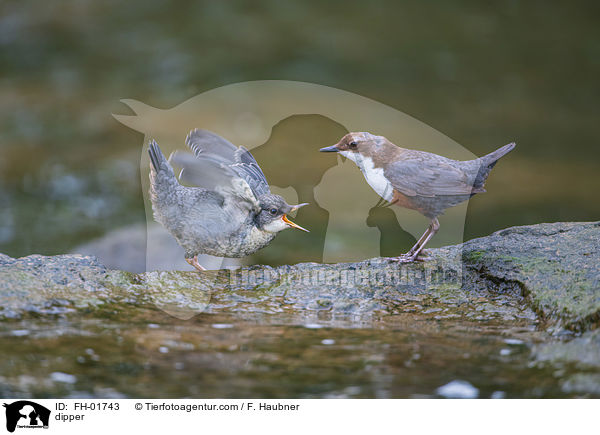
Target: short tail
163, 183
494, 156
489, 161
157, 158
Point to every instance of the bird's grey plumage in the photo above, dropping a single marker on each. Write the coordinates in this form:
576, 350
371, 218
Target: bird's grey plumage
196, 216
226, 160
221, 214
425, 174
206, 142
487, 162
435, 183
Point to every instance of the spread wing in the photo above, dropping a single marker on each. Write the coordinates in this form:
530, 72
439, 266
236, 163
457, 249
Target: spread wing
208, 145
425, 174
217, 164
247, 168
207, 142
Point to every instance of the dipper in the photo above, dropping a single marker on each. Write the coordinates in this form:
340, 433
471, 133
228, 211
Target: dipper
417, 180
229, 211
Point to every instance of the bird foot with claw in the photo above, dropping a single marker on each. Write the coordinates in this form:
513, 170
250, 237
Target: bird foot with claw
404, 258
194, 262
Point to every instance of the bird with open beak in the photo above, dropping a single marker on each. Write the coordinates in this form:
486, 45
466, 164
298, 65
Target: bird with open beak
228, 211
417, 180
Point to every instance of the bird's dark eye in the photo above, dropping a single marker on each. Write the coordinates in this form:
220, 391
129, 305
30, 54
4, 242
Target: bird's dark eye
273, 211
352, 145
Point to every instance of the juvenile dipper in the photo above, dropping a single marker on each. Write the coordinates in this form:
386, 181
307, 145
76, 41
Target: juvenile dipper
416, 180
230, 210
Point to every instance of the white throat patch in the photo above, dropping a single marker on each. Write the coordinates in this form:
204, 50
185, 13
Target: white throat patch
373, 175
275, 226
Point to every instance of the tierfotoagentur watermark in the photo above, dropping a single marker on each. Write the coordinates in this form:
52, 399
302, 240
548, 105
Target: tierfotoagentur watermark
284, 124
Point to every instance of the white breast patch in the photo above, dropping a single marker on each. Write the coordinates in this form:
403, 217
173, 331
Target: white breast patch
373, 175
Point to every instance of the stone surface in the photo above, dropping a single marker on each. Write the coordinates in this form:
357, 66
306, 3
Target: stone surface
556, 267
516, 304
552, 269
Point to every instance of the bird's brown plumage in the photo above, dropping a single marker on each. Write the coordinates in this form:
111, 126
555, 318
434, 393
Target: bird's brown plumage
418, 180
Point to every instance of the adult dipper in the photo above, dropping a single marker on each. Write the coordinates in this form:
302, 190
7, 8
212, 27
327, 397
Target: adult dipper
228, 212
417, 180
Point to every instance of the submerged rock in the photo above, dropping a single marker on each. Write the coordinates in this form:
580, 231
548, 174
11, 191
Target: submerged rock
579, 356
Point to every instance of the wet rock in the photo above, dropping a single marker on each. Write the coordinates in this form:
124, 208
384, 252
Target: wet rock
556, 267
547, 272
65, 284
50, 285
506, 313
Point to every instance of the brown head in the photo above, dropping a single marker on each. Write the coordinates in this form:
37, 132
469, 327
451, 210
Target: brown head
367, 145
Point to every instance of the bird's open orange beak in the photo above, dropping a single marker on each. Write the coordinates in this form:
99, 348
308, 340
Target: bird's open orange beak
292, 224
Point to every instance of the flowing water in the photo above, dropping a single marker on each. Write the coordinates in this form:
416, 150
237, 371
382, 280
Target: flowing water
257, 355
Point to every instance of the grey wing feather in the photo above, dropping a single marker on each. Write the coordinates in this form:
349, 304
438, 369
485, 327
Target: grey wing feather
206, 142
170, 200
219, 165
205, 172
247, 168
212, 149
424, 175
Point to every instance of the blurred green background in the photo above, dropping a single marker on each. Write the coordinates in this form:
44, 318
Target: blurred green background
482, 73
